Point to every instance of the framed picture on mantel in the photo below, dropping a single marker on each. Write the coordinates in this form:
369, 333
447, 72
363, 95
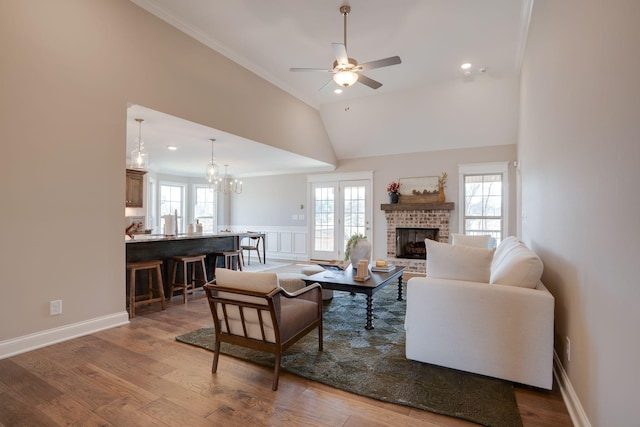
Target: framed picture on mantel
419, 189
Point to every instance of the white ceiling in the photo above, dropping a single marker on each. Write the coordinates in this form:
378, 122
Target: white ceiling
432, 37
193, 153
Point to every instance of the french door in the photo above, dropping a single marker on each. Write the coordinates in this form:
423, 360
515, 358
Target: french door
339, 209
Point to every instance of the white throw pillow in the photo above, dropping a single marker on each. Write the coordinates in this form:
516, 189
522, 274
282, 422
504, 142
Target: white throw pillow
503, 248
519, 266
446, 261
473, 241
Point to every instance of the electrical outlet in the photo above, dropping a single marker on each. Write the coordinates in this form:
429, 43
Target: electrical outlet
568, 348
55, 307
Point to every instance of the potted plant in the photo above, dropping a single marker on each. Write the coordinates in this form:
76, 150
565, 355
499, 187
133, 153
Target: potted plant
357, 248
393, 191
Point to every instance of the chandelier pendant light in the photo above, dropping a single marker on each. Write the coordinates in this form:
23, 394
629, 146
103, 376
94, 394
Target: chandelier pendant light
212, 168
139, 157
227, 185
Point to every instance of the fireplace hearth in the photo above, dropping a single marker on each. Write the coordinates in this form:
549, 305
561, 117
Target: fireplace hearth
410, 242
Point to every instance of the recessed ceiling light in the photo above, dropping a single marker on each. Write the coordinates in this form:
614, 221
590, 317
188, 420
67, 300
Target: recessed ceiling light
172, 147
466, 66
338, 90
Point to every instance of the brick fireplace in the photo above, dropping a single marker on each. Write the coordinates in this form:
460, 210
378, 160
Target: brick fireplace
430, 220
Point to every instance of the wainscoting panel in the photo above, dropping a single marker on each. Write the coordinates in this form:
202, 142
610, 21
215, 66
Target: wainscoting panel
300, 243
286, 242
272, 241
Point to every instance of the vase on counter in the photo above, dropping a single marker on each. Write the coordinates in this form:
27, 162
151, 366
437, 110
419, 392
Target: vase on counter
393, 198
441, 196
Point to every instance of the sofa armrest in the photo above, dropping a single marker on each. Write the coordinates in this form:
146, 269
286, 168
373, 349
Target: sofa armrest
495, 330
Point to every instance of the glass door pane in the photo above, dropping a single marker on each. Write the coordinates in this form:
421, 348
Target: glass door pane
340, 210
355, 219
324, 228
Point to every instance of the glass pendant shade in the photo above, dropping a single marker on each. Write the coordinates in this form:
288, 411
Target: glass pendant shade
139, 156
212, 172
139, 159
345, 78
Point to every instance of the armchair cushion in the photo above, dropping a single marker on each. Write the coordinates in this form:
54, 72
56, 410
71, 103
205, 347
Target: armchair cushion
460, 262
296, 314
248, 281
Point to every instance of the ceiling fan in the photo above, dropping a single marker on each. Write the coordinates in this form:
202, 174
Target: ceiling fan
346, 71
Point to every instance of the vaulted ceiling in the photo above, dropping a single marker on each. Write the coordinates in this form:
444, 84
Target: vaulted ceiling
422, 102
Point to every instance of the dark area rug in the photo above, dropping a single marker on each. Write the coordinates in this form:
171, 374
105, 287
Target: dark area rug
373, 363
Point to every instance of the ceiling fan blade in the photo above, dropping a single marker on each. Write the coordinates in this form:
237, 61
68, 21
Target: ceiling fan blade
327, 86
368, 82
340, 52
324, 70
392, 60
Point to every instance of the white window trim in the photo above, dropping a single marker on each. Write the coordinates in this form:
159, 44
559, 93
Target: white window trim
484, 169
192, 205
185, 187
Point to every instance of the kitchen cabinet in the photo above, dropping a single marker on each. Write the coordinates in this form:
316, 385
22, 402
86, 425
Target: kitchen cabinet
135, 184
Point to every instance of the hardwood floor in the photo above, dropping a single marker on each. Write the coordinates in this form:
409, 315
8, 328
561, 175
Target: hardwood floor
138, 375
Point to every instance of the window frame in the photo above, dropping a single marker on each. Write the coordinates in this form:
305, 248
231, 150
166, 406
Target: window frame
195, 189
475, 169
183, 200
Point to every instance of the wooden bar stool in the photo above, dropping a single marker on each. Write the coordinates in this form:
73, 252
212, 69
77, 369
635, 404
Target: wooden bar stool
229, 258
137, 300
187, 287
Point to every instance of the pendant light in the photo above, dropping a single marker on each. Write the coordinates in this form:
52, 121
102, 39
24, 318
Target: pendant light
139, 157
212, 168
228, 185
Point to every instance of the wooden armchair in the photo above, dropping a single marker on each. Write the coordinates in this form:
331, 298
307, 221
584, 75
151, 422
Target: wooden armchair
251, 310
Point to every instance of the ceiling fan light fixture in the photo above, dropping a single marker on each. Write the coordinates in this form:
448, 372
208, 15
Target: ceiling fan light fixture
345, 78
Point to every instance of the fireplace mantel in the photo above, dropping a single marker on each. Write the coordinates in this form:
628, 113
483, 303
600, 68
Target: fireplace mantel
448, 206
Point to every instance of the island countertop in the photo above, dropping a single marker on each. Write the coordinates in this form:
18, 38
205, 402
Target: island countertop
139, 238
145, 247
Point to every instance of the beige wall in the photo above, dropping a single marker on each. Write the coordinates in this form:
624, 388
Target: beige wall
391, 168
579, 149
271, 200
68, 69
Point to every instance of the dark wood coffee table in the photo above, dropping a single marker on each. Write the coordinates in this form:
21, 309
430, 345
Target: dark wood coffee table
343, 280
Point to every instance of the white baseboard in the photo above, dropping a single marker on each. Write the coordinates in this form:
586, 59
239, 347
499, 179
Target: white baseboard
576, 412
41, 339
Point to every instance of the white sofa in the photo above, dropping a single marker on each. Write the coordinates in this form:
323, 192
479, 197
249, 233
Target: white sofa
482, 312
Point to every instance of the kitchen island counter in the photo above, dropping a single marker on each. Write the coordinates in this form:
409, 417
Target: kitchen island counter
146, 247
